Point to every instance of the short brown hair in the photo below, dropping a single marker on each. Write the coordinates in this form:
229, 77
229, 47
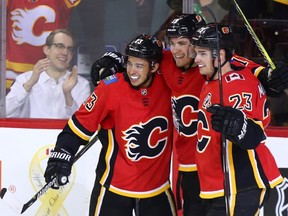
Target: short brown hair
50, 38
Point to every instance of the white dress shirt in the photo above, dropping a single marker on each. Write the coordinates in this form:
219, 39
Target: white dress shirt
45, 99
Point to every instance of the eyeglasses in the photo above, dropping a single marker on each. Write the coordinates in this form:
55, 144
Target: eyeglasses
62, 47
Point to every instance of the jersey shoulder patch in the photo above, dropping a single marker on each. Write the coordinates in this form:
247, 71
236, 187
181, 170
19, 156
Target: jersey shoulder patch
234, 76
110, 79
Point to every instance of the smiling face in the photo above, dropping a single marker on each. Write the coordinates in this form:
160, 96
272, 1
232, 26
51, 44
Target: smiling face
139, 71
207, 63
59, 52
181, 50
204, 61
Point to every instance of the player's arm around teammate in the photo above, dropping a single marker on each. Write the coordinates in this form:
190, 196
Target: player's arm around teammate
238, 111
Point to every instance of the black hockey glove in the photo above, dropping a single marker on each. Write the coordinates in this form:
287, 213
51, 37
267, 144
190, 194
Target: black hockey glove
279, 78
59, 165
229, 121
274, 81
109, 64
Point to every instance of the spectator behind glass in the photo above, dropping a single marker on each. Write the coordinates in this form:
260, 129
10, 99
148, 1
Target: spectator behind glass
28, 25
49, 90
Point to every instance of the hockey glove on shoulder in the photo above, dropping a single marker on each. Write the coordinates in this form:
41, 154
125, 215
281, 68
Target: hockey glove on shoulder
229, 121
109, 64
274, 81
59, 165
279, 78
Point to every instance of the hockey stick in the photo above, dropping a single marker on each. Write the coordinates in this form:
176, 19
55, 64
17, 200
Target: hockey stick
15, 204
255, 37
257, 41
223, 138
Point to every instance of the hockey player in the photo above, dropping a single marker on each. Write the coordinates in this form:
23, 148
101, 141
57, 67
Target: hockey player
183, 78
134, 166
238, 110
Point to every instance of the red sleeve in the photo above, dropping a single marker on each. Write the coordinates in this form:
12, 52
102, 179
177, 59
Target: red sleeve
97, 107
244, 92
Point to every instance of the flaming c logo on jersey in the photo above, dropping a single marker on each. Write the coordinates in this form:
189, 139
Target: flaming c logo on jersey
185, 112
24, 21
146, 140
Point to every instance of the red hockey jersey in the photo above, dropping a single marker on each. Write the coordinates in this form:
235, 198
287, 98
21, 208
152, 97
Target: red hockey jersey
186, 87
241, 61
247, 168
28, 24
136, 160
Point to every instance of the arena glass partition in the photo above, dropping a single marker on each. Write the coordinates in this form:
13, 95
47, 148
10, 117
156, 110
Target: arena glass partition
2, 57
108, 25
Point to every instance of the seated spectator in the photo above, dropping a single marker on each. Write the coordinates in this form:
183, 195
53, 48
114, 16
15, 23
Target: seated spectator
49, 90
28, 24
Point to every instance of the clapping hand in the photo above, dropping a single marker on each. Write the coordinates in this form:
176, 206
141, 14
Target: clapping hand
71, 80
